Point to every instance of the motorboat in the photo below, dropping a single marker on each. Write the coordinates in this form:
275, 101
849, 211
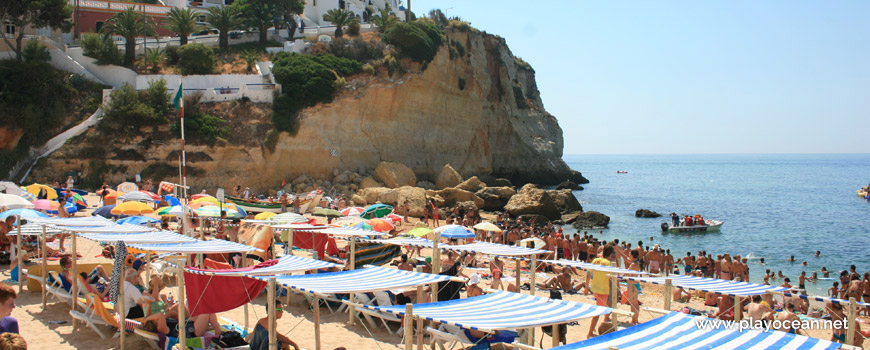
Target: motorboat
708, 226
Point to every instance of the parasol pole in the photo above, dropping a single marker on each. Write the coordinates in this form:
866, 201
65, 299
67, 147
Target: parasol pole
44, 267
20, 258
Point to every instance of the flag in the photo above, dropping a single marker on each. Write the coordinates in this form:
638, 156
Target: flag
283, 182
178, 101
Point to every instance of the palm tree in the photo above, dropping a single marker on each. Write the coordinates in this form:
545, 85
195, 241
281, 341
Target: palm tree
129, 24
340, 18
182, 21
224, 19
384, 19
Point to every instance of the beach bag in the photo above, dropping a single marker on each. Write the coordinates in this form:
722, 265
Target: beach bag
230, 339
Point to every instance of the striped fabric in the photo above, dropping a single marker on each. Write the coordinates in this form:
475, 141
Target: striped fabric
680, 331
711, 285
286, 265
79, 221
500, 310
197, 247
826, 299
371, 279
412, 242
150, 237
109, 229
347, 232
495, 249
594, 267
299, 227
35, 230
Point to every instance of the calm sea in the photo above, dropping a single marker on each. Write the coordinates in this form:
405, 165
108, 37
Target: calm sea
773, 206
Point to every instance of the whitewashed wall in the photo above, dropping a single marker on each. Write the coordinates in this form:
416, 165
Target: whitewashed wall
216, 88
109, 74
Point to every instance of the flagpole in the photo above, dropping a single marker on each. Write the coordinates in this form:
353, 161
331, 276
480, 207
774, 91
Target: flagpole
179, 95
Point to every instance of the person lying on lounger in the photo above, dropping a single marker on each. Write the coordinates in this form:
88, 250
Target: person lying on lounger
167, 324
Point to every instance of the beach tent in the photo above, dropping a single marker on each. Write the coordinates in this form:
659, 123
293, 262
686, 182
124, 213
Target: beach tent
679, 330
496, 311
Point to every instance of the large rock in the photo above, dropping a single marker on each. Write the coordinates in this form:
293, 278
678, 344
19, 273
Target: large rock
358, 201
495, 198
395, 175
369, 182
447, 178
591, 219
472, 184
452, 196
533, 200
416, 198
426, 185
536, 219
379, 194
569, 185
565, 201
646, 213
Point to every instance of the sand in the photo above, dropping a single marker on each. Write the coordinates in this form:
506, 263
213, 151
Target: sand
297, 322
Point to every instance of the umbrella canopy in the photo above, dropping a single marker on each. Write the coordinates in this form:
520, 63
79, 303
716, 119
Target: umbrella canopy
264, 215
106, 212
534, 243
132, 208
201, 195
174, 210
69, 206
376, 211
36, 188
198, 205
10, 188
45, 204
487, 226
24, 213
127, 187
419, 232
352, 211
348, 221
454, 232
114, 194
394, 217
27, 195
331, 213
77, 200
208, 199
153, 195
11, 201
137, 220
171, 200
136, 196
215, 212
381, 225
107, 190
363, 226
288, 218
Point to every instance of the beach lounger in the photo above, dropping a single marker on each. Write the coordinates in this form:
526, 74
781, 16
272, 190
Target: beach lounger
363, 298
55, 288
96, 315
448, 336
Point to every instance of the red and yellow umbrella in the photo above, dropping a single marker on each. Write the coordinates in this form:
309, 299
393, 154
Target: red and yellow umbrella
381, 225
132, 208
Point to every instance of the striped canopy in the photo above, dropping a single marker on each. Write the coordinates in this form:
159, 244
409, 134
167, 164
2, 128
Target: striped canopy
495, 249
712, 285
681, 331
79, 221
214, 246
500, 310
150, 237
298, 227
113, 228
286, 265
347, 232
35, 230
413, 242
371, 279
818, 298
594, 267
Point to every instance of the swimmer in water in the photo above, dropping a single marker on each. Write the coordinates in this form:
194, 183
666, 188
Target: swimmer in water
791, 259
818, 253
762, 261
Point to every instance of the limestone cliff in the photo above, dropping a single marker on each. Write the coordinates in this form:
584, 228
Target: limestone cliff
479, 111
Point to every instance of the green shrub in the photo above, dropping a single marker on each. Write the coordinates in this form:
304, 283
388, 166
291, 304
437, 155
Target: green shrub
368, 69
171, 53
460, 49
523, 64
202, 127
157, 97
418, 40
353, 29
393, 65
357, 49
271, 139
306, 81
342, 66
520, 97
102, 48
196, 59
34, 51
127, 110
459, 25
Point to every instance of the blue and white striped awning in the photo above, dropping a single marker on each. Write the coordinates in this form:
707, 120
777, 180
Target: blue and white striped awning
712, 285
370, 279
214, 246
822, 299
413, 242
35, 230
594, 267
286, 265
75, 221
299, 227
500, 310
495, 249
149, 237
346, 232
113, 228
681, 331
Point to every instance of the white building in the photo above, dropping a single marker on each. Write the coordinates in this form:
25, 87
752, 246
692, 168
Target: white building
315, 9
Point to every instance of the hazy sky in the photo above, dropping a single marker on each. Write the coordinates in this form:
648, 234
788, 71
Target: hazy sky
692, 76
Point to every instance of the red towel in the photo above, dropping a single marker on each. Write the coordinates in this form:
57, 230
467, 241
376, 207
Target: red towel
213, 294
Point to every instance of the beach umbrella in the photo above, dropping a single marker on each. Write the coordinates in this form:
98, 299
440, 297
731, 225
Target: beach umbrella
419, 232
171, 200
137, 220
363, 226
534, 243
454, 232
348, 221
127, 187
77, 199
106, 212
394, 217
208, 199
288, 218
45, 204
264, 215
27, 195
132, 208
11, 201
215, 212
10, 187
202, 195
136, 196
376, 211
330, 213
114, 194
487, 226
36, 188
24, 213
153, 195
69, 206
352, 211
198, 205
174, 210
381, 225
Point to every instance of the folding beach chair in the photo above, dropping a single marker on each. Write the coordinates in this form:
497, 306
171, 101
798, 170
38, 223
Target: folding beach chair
451, 336
96, 315
55, 288
364, 299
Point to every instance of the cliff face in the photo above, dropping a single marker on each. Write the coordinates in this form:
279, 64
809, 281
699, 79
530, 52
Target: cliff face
481, 112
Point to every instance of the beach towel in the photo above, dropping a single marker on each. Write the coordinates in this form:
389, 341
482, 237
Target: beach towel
449, 290
211, 264
117, 268
166, 342
212, 294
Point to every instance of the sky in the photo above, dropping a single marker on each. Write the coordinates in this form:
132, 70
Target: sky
692, 77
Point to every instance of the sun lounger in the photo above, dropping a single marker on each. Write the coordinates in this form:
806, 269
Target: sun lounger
448, 336
96, 315
55, 288
363, 298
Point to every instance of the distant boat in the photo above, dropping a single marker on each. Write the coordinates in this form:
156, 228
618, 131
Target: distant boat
862, 193
621, 172
708, 226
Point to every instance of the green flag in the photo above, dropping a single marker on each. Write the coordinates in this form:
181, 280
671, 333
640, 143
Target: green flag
178, 101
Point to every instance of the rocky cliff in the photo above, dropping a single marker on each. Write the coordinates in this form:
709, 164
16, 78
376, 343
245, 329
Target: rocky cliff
477, 109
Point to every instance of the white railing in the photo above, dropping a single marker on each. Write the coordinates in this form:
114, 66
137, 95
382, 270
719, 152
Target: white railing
121, 6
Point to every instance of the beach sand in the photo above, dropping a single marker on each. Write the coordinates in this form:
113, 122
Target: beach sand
297, 322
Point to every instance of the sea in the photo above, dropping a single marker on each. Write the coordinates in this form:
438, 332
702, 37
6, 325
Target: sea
773, 206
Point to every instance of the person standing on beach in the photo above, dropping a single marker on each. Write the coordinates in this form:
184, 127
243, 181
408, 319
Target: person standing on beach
69, 182
435, 212
406, 208
284, 202
599, 283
